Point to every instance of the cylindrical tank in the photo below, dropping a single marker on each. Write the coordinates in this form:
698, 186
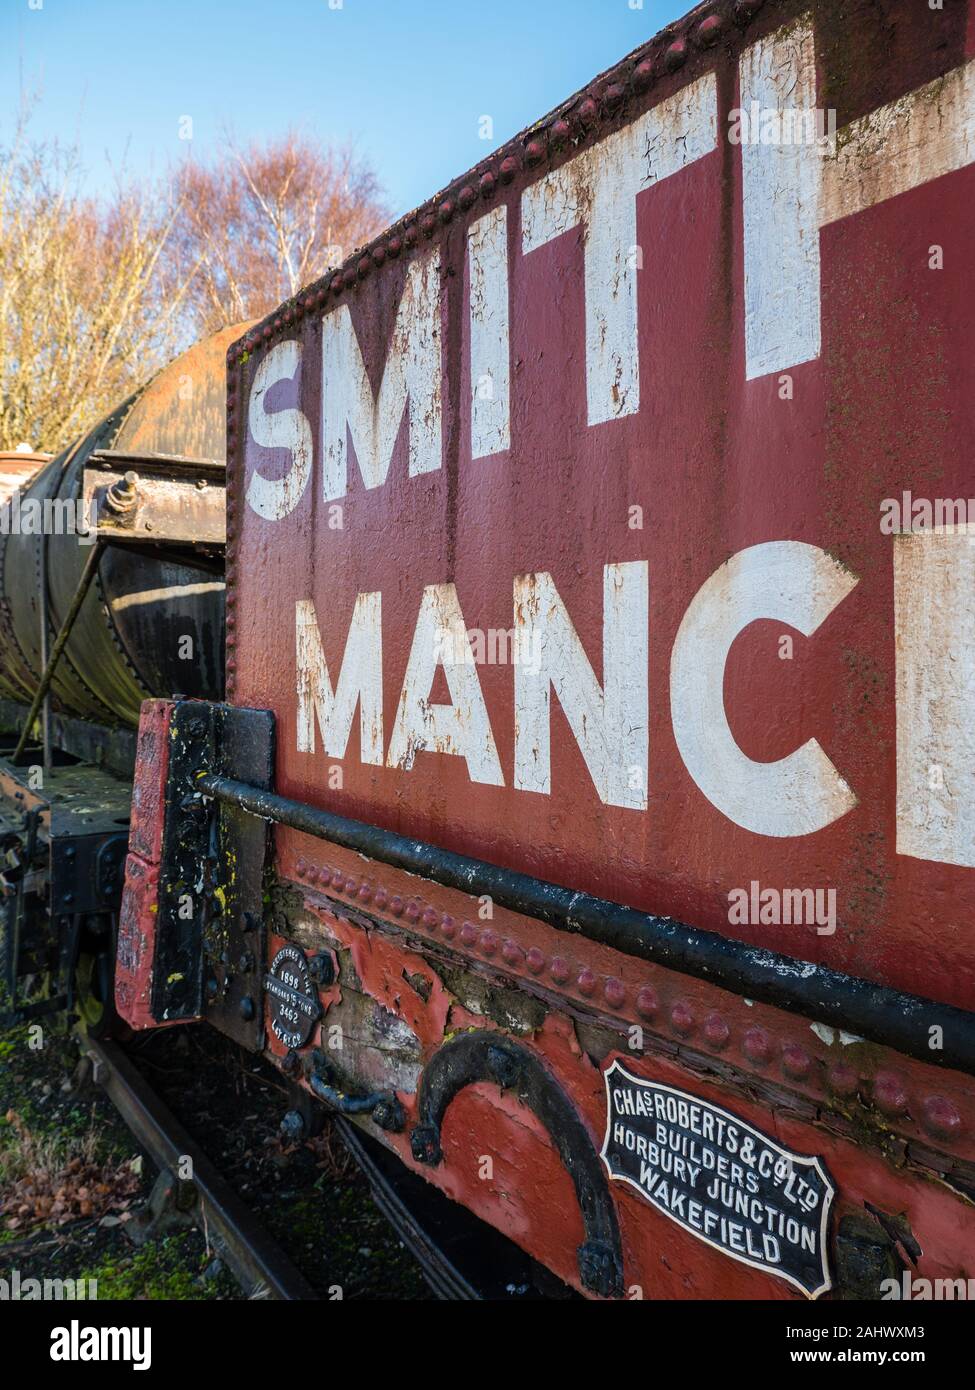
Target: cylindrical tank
129, 640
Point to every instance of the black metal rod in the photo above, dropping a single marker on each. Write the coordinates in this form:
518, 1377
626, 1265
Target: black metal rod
87, 575
936, 1033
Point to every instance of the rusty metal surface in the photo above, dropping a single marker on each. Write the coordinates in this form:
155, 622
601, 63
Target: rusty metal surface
152, 623
645, 395
182, 411
167, 506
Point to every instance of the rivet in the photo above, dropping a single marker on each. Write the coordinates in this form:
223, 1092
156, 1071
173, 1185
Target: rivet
278, 323
448, 926
309, 302
321, 296
394, 246
365, 893
381, 899
431, 916
614, 94
535, 961
647, 1002
488, 942
467, 197
941, 1117
586, 983
325, 876
487, 184
351, 887
796, 1061
588, 111
468, 933
643, 74
428, 224
511, 952
889, 1094
716, 1031
561, 133
559, 970
535, 151
378, 255
410, 234
337, 880
364, 267
682, 1018
757, 1045
289, 313
335, 284
676, 55
268, 332
509, 167
301, 868
710, 30
614, 992
446, 210
396, 906
413, 910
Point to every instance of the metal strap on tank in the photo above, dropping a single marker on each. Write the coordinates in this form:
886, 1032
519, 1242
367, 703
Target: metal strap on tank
886, 1016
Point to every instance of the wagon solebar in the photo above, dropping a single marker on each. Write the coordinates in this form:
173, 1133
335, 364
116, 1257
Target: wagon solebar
881, 1015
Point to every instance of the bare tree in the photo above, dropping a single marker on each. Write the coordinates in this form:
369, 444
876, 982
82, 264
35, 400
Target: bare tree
83, 320
264, 221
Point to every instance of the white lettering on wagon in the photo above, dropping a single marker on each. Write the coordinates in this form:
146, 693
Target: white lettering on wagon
609, 723
487, 248
461, 728
360, 682
780, 208
791, 582
790, 191
721, 1179
598, 189
921, 136
274, 498
411, 382
934, 627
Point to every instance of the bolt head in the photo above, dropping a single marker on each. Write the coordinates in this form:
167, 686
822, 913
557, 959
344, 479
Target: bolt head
682, 1018
425, 1145
676, 55
292, 1127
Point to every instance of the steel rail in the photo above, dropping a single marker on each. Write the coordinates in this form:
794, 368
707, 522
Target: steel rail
258, 1263
939, 1034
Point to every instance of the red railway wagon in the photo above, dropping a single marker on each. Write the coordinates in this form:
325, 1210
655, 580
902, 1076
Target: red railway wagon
591, 815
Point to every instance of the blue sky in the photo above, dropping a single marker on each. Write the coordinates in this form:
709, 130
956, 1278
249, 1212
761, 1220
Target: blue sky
406, 80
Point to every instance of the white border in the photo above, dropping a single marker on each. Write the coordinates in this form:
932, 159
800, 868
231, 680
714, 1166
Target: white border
806, 1160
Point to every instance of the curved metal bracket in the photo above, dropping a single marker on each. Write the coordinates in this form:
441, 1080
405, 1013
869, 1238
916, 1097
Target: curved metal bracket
384, 1106
486, 1056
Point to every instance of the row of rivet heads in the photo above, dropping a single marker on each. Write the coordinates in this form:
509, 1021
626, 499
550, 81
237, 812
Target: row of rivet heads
571, 125
230, 566
939, 1115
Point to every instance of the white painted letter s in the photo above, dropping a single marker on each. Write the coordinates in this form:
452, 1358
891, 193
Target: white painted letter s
274, 498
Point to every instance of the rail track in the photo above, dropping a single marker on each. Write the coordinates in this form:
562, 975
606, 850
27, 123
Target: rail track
458, 1257
259, 1265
